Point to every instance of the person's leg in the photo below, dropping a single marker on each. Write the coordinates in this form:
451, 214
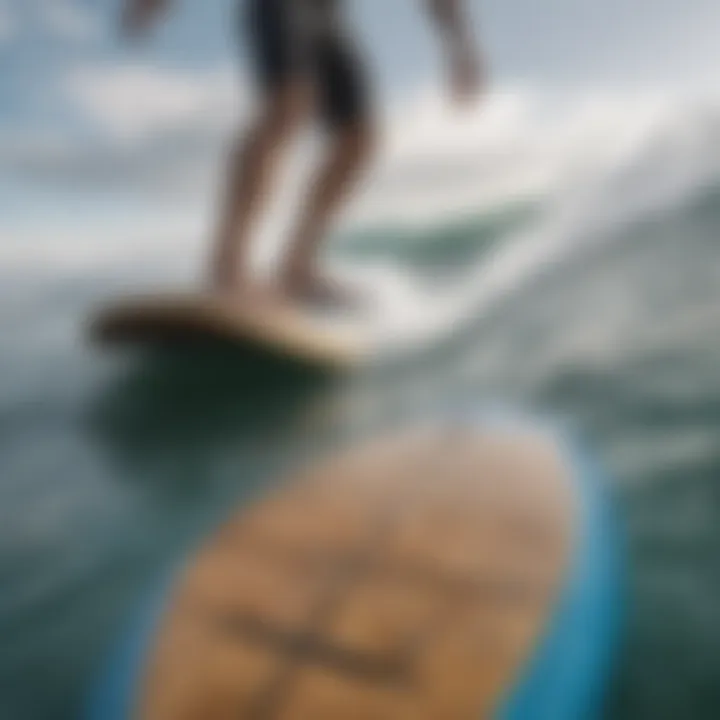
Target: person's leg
251, 175
349, 149
278, 53
343, 97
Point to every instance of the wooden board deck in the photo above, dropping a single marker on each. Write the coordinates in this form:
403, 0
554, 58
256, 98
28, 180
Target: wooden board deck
409, 579
272, 326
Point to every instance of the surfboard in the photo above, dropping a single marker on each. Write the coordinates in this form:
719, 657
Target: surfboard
273, 327
451, 571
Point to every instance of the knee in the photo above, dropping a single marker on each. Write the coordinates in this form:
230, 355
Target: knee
358, 141
285, 110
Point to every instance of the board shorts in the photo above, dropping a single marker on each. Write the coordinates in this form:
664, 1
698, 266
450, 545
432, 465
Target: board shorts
307, 39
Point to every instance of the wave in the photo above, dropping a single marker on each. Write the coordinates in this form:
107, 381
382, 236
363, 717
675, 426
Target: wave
628, 163
463, 214
443, 246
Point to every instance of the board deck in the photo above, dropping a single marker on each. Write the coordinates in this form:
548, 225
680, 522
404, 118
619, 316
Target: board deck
277, 328
408, 579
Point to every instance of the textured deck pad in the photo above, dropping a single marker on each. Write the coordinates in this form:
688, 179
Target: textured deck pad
271, 326
408, 579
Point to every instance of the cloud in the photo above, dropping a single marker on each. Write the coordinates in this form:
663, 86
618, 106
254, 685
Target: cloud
130, 103
144, 129
8, 26
68, 20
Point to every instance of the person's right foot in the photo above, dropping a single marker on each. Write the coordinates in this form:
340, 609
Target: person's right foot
234, 284
322, 292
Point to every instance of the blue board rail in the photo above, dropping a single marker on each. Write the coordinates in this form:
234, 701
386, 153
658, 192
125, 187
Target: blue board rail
567, 675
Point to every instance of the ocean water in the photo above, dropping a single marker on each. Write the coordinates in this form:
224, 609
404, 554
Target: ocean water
600, 303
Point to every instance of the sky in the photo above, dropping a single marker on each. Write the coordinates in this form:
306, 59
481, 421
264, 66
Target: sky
98, 135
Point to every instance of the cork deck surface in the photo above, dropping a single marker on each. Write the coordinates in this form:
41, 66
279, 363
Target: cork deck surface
281, 328
407, 579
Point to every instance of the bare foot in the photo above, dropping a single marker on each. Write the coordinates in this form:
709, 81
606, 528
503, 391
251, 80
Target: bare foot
242, 288
321, 291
